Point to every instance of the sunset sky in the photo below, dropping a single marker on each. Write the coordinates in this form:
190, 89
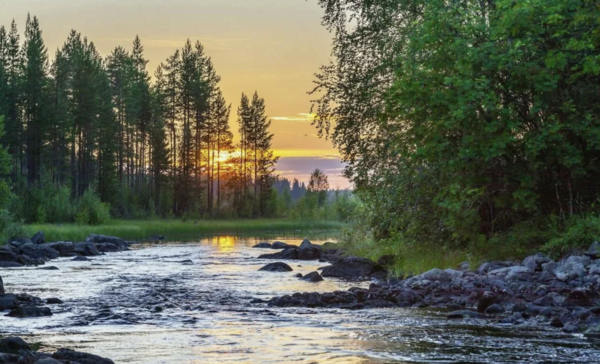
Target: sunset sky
272, 46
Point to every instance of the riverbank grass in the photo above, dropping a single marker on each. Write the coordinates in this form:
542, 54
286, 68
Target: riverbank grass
180, 230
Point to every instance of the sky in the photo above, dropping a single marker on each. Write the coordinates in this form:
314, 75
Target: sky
271, 46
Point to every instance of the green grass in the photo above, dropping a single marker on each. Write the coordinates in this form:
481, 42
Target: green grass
412, 259
181, 231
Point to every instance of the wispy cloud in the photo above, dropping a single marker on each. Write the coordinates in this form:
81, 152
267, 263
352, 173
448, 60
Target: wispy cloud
302, 117
303, 153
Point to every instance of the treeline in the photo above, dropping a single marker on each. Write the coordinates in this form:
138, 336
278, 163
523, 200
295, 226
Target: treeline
467, 123
87, 134
295, 200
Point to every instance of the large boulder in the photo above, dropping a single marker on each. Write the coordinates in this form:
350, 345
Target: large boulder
86, 248
263, 245
515, 273
13, 345
435, 275
290, 254
5, 264
312, 277
101, 240
1, 287
29, 311
595, 268
493, 265
64, 248
8, 302
39, 252
351, 268
276, 267
83, 358
39, 238
18, 242
8, 255
108, 247
535, 262
48, 361
279, 245
574, 267
309, 251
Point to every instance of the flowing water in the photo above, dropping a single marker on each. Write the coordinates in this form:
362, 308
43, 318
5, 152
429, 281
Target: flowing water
148, 305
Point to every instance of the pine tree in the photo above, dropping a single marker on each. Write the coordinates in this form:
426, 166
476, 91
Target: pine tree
244, 120
264, 162
60, 117
34, 97
223, 137
13, 137
158, 139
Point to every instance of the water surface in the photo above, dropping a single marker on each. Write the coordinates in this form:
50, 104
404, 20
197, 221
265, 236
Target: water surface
147, 306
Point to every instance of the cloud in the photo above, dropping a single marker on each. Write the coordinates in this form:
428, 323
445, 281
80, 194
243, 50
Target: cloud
302, 117
304, 153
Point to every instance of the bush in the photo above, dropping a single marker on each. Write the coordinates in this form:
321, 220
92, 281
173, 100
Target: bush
90, 206
9, 227
82, 217
578, 233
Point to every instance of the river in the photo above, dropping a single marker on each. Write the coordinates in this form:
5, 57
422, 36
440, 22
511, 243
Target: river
148, 305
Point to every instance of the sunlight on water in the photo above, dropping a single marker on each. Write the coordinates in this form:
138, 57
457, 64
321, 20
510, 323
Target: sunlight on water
147, 306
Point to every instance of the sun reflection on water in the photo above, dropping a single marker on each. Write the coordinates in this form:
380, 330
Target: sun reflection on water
225, 244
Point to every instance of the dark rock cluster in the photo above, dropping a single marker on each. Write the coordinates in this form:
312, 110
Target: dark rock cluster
563, 294
16, 350
36, 251
351, 268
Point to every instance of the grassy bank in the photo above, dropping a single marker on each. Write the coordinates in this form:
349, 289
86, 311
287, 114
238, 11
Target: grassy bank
412, 259
180, 230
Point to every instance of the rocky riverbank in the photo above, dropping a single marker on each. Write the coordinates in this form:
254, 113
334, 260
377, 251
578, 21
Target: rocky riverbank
16, 350
562, 294
35, 252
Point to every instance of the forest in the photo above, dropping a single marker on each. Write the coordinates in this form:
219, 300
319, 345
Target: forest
467, 126
87, 136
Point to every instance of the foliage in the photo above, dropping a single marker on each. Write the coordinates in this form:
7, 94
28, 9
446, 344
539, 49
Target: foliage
463, 121
8, 226
318, 185
84, 121
92, 210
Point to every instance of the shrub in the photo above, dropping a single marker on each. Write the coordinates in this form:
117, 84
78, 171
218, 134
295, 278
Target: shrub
90, 206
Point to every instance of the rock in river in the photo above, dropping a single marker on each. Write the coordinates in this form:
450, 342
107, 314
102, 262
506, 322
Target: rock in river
29, 311
67, 354
12, 345
279, 245
38, 251
276, 267
351, 268
107, 241
86, 248
290, 254
64, 248
263, 245
309, 251
312, 277
38, 238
